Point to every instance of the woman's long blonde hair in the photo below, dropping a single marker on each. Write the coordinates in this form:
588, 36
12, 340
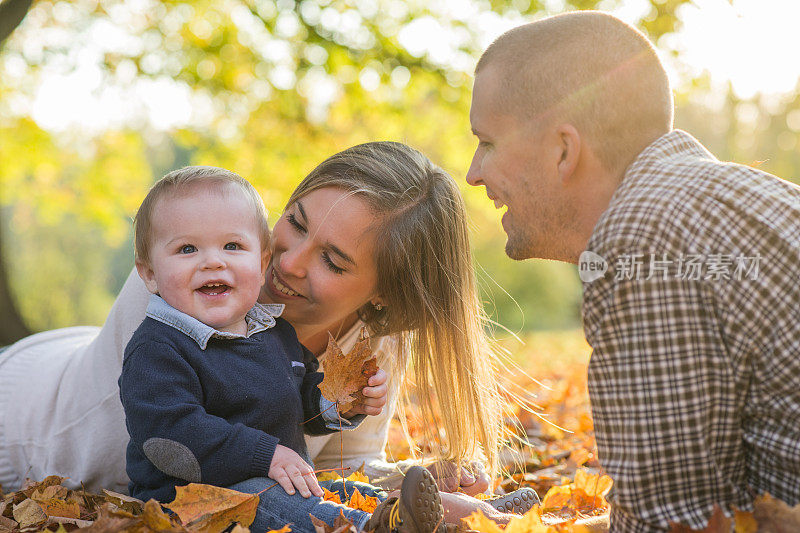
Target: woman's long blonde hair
427, 279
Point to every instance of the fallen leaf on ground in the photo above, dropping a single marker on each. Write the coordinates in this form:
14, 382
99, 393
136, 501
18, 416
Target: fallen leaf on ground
346, 375
128, 503
775, 516
718, 523
744, 522
585, 496
340, 525
209, 508
28, 513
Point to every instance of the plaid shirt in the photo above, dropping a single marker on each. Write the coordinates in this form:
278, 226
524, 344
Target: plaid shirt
694, 377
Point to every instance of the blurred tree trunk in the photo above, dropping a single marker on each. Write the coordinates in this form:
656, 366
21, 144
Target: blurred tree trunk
12, 327
11, 14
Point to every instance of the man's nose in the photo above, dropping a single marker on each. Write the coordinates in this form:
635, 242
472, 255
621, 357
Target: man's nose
474, 173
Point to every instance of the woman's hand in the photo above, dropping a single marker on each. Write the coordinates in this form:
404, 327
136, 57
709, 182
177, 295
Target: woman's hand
374, 397
471, 479
289, 469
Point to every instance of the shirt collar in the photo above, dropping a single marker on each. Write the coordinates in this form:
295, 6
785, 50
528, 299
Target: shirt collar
259, 318
674, 144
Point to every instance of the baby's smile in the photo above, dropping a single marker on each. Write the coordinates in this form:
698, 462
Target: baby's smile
214, 289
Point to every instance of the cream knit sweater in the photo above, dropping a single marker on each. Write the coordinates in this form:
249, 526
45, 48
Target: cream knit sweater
60, 411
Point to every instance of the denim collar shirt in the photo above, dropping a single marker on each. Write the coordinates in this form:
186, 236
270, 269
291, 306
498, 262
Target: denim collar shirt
259, 318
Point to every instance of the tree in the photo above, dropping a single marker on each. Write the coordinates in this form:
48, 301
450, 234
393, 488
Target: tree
284, 84
11, 325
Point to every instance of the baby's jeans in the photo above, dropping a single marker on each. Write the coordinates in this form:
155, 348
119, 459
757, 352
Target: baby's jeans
276, 508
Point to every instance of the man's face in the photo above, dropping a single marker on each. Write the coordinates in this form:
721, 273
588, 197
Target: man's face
516, 160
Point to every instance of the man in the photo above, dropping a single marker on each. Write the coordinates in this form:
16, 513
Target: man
691, 267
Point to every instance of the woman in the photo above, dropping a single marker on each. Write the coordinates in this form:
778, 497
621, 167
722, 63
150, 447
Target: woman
375, 235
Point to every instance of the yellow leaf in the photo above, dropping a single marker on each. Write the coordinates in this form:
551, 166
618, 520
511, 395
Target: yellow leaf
744, 522
593, 484
155, 518
530, 522
358, 476
284, 529
479, 522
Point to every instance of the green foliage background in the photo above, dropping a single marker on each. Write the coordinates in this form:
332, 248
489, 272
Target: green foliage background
68, 196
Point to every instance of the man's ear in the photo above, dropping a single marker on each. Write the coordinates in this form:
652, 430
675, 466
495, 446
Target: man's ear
148, 276
569, 143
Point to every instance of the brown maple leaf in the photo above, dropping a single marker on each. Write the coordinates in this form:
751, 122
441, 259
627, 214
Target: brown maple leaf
340, 525
775, 516
208, 508
346, 375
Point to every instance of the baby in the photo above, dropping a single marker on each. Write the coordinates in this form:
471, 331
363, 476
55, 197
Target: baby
216, 387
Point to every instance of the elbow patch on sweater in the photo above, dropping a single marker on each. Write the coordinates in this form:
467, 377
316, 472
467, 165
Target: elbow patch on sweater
172, 458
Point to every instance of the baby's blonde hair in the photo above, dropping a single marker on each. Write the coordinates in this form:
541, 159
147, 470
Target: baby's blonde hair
183, 181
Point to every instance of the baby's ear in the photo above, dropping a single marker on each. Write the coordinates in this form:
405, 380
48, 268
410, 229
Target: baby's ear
266, 255
147, 275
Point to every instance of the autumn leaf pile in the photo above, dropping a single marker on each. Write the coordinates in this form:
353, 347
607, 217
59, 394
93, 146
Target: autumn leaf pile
50, 506
548, 418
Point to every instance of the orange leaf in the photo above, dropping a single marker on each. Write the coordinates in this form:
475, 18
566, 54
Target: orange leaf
59, 507
557, 497
579, 456
209, 508
362, 503
346, 375
284, 529
329, 496
593, 484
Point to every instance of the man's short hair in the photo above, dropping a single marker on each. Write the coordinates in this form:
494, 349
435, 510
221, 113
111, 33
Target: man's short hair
187, 180
591, 69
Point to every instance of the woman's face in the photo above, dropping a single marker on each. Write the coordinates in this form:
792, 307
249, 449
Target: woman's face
323, 264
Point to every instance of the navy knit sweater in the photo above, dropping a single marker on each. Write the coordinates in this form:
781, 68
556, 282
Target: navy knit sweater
214, 416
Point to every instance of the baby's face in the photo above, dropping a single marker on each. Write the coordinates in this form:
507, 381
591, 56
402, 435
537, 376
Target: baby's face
206, 257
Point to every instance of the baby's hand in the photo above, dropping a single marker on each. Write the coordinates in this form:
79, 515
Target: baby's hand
289, 469
374, 397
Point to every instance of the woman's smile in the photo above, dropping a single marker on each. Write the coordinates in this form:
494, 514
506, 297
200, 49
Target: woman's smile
279, 288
